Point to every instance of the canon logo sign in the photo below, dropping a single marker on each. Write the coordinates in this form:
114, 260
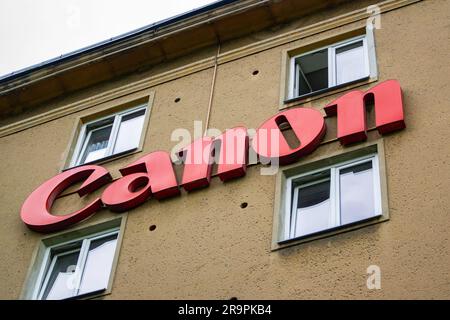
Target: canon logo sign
153, 174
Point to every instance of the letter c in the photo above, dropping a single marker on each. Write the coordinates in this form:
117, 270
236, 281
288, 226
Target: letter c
35, 212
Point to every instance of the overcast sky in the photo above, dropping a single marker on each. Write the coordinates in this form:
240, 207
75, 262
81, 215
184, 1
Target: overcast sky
32, 31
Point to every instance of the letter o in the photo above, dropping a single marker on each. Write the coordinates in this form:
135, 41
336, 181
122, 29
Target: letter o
308, 126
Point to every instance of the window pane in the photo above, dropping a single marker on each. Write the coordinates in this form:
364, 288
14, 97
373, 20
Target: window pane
98, 264
313, 72
356, 193
350, 63
61, 284
313, 208
130, 132
97, 144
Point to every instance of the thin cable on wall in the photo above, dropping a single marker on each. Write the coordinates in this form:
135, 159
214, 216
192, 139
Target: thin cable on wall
211, 94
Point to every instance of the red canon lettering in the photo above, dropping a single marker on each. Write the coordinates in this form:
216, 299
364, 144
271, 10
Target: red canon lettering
351, 115
152, 173
159, 167
197, 164
128, 192
35, 212
233, 153
308, 126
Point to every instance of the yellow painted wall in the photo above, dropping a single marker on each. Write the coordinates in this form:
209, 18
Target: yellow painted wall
205, 245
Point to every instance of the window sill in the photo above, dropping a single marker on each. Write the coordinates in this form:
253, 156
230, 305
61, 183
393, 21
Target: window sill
107, 159
326, 92
328, 233
89, 295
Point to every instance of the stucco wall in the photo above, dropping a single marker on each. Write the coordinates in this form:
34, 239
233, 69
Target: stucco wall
206, 246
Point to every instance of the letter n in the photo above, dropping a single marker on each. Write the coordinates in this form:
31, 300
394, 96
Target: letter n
233, 153
351, 115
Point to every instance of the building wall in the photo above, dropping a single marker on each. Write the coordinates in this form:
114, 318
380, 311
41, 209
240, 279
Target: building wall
205, 245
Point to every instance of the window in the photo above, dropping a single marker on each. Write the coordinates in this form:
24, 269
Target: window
331, 197
109, 136
338, 64
77, 268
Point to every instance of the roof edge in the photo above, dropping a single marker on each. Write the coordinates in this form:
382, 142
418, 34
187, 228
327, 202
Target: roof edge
123, 37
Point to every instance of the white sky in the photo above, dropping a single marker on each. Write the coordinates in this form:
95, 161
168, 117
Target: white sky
32, 31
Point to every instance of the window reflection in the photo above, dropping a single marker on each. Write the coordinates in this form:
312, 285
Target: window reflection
80, 267
356, 193
97, 144
129, 132
350, 63
98, 265
313, 208
61, 281
335, 196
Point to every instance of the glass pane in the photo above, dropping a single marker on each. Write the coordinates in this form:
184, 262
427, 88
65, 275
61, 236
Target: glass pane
313, 208
350, 63
61, 284
356, 193
98, 264
129, 132
97, 144
313, 71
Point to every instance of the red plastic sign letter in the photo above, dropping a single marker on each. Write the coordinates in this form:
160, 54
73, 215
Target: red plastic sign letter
127, 192
308, 126
159, 168
151, 174
197, 164
351, 113
233, 153
35, 212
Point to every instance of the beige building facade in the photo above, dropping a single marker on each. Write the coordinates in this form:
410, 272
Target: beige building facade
238, 63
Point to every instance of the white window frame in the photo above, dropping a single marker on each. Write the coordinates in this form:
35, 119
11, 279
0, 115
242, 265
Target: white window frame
85, 133
334, 219
369, 63
49, 262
